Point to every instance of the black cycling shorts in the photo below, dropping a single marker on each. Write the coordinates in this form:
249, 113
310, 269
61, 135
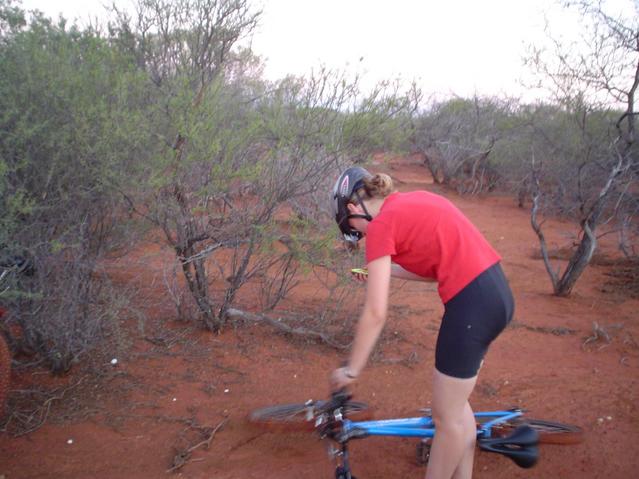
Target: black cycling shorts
473, 318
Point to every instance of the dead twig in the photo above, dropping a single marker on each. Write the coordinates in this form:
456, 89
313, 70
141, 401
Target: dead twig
601, 334
409, 361
183, 457
34, 419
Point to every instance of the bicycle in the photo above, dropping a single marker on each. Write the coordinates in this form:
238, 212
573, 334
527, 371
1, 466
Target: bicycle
507, 432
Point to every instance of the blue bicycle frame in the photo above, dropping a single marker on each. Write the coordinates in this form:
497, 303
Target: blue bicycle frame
520, 445
423, 427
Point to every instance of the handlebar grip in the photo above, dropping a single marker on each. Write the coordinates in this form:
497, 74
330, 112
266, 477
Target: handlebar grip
340, 397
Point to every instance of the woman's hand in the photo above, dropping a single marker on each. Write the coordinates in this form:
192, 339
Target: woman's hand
340, 378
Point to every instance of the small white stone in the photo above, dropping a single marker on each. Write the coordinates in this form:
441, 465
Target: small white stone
226, 390
114, 361
174, 399
70, 441
609, 418
600, 420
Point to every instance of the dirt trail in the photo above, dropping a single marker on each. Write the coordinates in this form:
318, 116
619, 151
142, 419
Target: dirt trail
148, 408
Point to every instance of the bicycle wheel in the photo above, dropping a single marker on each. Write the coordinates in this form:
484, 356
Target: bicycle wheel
301, 416
550, 432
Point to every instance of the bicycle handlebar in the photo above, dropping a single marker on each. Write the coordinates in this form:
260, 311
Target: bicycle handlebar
338, 400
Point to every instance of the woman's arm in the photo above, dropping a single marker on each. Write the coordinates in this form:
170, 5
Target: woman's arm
398, 272
371, 321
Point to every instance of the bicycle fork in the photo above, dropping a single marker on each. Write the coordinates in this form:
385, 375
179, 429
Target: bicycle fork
340, 459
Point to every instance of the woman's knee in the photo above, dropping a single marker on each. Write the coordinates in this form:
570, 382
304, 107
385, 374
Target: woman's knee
450, 421
450, 395
460, 422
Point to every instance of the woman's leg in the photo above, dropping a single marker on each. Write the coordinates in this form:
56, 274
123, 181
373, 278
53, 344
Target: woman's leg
472, 320
451, 454
465, 467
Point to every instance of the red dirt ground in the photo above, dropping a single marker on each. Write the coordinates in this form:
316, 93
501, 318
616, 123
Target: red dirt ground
142, 412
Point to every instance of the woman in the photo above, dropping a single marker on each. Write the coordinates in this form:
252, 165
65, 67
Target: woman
422, 236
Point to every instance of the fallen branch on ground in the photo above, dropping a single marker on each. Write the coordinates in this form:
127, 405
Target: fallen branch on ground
557, 331
235, 314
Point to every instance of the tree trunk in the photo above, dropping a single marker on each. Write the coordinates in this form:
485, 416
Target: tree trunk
578, 261
198, 286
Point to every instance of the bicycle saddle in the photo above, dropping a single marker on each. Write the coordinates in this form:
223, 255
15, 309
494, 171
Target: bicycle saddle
520, 446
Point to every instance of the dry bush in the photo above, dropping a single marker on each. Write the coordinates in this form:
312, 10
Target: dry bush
624, 278
64, 309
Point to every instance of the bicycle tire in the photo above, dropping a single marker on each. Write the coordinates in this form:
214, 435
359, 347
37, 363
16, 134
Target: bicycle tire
302, 416
550, 432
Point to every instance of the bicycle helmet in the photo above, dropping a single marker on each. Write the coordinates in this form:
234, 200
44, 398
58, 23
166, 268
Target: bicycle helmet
347, 186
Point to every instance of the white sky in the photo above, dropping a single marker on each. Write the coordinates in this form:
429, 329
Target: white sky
459, 47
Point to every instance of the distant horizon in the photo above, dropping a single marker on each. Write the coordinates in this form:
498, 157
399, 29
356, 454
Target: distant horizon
457, 48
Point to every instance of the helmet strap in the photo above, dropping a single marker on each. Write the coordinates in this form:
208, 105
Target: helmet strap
366, 214
366, 217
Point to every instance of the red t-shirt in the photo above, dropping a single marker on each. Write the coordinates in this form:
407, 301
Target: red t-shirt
427, 235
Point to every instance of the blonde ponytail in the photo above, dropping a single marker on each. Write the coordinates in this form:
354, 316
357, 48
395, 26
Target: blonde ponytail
378, 186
